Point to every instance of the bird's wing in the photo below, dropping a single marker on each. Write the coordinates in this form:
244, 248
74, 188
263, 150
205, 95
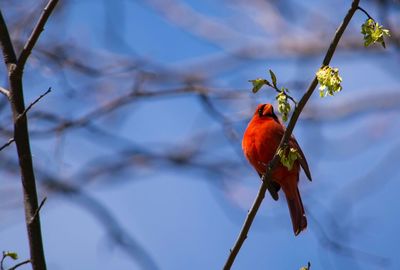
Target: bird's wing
302, 159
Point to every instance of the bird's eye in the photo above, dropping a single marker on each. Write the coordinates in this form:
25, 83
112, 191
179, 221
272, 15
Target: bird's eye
260, 112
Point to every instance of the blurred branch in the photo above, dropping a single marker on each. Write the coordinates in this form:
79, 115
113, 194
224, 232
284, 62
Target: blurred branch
272, 164
344, 250
121, 237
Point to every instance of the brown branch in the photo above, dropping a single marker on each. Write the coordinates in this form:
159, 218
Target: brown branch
6, 44
21, 133
26, 51
272, 164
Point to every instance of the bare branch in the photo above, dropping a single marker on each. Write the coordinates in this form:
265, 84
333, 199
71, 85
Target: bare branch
272, 164
6, 44
33, 103
38, 210
5, 92
21, 133
365, 12
19, 264
26, 51
10, 141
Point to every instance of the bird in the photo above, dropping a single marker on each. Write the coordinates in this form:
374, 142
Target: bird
260, 142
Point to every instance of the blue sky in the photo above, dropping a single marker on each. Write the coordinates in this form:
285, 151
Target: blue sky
184, 218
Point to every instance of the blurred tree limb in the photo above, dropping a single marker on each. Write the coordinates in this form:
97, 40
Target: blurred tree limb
15, 67
272, 164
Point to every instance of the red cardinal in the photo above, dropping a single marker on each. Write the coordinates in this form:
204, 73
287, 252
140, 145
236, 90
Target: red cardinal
260, 141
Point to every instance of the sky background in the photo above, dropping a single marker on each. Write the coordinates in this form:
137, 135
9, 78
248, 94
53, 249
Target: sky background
187, 217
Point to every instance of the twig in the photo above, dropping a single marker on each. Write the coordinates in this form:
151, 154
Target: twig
19, 264
26, 51
38, 210
10, 141
286, 94
2, 261
33, 103
271, 165
5, 92
365, 12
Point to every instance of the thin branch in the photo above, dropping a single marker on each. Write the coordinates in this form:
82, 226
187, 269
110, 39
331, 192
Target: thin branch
5, 92
38, 210
365, 12
272, 164
286, 94
33, 103
26, 51
10, 141
2, 261
19, 264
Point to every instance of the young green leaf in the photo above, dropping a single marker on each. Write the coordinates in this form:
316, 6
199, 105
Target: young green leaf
258, 83
12, 255
288, 157
329, 80
273, 77
283, 105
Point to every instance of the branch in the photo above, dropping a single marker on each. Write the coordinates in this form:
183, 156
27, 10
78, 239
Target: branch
365, 12
5, 92
21, 132
38, 210
272, 164
33, 103
6, 44
10, 141
26, 51
19, 264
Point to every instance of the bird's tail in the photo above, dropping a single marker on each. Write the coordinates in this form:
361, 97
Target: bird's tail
296, 210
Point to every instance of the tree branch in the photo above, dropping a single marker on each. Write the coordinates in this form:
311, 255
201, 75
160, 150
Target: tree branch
6, 44
26, 51
365, 12
272, 164
5, 92
19, 264
21, 133
10, 141
33, 103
